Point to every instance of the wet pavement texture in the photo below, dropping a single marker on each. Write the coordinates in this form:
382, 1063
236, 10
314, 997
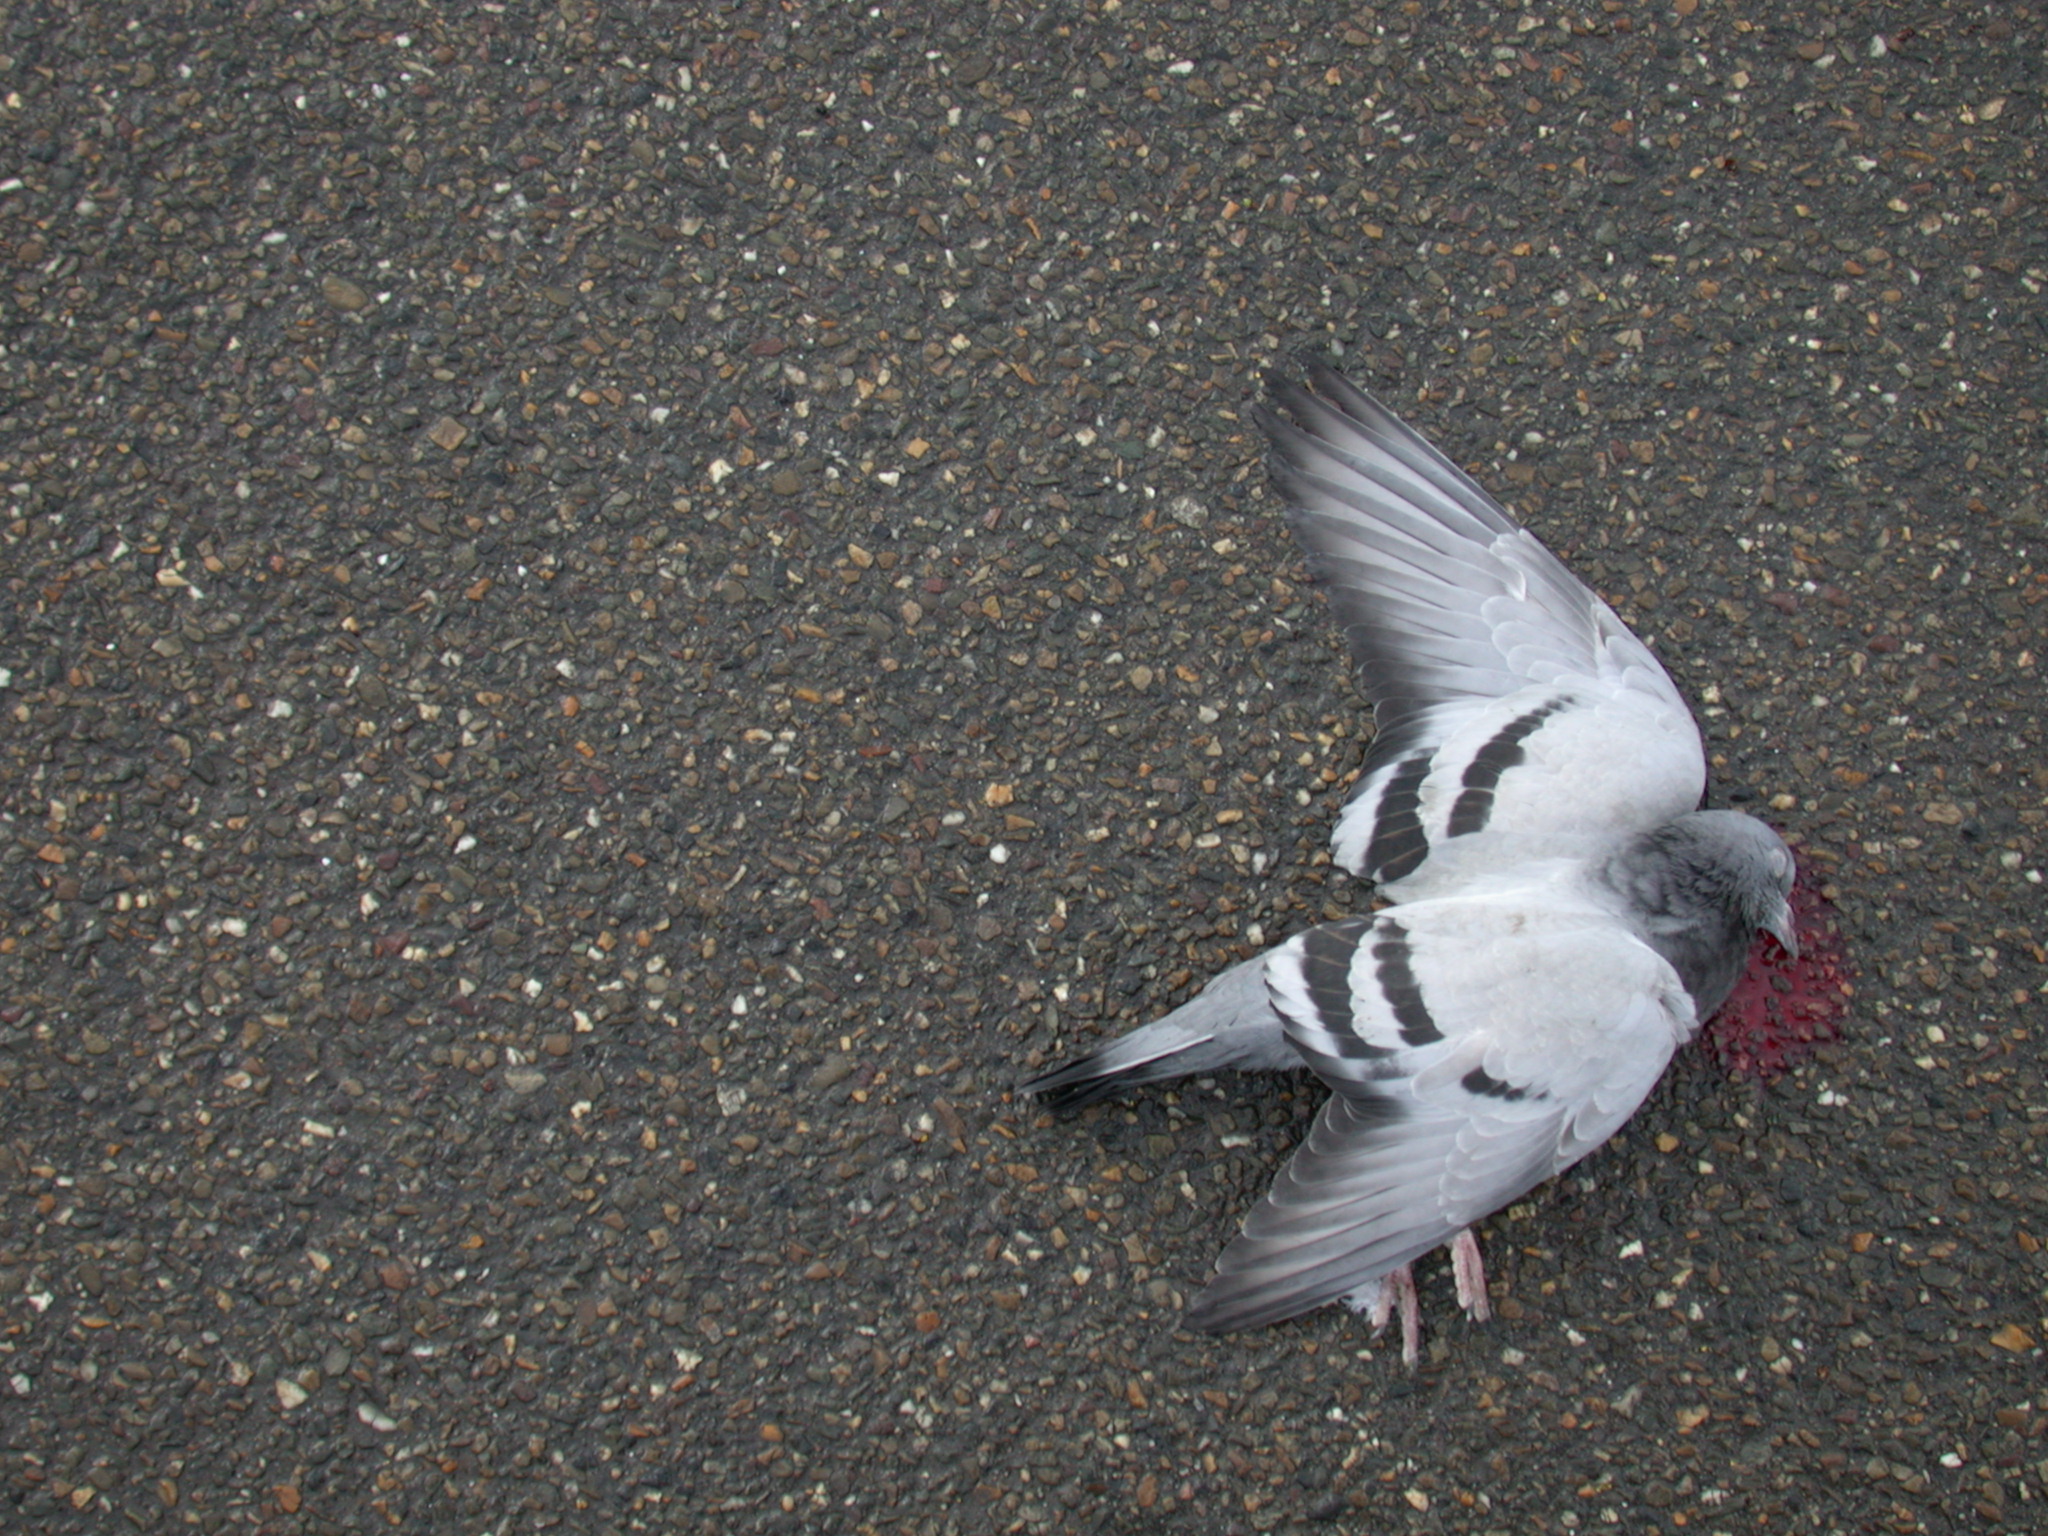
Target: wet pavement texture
616, 616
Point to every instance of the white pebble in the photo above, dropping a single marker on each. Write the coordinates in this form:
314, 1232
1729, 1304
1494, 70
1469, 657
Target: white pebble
375, 1417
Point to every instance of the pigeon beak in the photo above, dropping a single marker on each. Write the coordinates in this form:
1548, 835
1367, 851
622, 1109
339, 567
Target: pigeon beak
1785, 930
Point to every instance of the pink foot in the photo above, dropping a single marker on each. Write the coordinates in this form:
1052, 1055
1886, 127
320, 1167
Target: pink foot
1469, 1274
1397, 1290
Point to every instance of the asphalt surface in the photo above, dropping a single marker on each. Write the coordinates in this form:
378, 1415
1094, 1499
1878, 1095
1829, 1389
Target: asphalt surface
616, 616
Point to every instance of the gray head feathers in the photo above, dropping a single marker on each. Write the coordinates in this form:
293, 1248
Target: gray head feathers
1698, 887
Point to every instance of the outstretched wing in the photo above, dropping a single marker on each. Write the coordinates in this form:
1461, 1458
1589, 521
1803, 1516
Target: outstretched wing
1476, 1048
1518, 718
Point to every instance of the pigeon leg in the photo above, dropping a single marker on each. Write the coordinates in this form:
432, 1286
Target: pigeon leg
1397, 1290
1469, 1273
1379, 1307
1403, 1283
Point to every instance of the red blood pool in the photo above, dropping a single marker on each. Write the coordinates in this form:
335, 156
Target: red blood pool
1782, 1008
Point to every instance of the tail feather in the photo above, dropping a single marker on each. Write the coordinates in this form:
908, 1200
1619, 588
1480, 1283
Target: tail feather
1231, 1024
1122, 1064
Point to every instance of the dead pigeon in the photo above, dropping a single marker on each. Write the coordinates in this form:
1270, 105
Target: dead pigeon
1561, 917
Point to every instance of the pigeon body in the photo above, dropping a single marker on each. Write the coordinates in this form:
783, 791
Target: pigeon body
1562, 918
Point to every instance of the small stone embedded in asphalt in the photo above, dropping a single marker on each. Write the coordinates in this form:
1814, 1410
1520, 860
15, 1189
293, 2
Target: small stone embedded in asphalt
343, 294
834, 1069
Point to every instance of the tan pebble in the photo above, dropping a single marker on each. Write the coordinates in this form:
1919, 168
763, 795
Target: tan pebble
343, 294
2014, 1338
998, 795
448, 434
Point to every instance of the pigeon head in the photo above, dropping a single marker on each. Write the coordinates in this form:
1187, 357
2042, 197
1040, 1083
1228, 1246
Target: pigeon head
1733, 862
1698, 888
1762, 869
